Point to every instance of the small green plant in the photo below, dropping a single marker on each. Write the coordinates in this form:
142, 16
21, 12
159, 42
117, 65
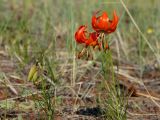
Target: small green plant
43, 76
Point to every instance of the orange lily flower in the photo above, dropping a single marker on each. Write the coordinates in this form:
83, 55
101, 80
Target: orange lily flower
104, 24
91, 40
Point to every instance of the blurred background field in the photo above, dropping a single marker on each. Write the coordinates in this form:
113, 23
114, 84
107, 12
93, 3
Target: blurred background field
43, 31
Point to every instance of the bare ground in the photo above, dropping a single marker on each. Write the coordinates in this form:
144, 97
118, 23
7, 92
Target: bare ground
142, 104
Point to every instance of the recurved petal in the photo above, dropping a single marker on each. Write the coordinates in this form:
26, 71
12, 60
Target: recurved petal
94, 36
94, 22
104, 17
93, 39
114, 22
80, 36
103, 21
